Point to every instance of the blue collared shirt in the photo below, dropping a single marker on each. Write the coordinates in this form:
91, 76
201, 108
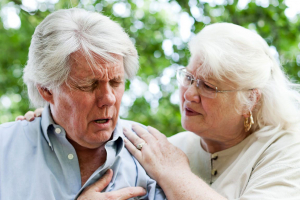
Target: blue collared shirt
38, 162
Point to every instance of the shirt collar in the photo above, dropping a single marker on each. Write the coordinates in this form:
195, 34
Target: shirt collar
118, 137
46, 122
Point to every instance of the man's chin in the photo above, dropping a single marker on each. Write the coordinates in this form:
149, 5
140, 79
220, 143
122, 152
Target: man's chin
91, 142
99, 138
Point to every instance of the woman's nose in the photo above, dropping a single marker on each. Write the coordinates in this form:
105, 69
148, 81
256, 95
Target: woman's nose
192, 94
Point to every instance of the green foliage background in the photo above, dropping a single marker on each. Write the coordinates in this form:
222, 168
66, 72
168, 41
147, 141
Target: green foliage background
157, 26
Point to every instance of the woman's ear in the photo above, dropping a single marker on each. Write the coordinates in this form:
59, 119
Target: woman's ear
46, 94
254, 97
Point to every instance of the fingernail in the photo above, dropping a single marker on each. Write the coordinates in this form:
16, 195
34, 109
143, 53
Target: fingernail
31, 119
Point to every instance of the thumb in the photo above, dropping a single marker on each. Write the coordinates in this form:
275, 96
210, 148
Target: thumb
103, 181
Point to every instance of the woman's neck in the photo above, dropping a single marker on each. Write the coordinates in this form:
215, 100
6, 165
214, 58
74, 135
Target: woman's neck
212, 146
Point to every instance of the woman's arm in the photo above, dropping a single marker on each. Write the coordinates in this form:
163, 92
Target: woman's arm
168, 165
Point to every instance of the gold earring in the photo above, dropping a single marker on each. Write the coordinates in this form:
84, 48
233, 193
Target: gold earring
248, 122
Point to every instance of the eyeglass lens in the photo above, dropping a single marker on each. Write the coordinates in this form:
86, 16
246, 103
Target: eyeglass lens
186, 79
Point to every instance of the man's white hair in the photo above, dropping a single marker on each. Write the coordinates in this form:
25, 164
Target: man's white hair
242, 56
65, 32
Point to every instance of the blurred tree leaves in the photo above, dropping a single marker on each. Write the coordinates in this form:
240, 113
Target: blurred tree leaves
153, 26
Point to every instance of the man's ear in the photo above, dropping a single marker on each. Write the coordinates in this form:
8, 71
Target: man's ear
255, 96
46, 94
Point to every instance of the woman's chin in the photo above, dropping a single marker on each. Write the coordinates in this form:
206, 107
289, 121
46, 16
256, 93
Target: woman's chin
189, 127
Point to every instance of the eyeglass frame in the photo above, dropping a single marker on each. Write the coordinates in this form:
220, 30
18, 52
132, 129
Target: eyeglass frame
198, 80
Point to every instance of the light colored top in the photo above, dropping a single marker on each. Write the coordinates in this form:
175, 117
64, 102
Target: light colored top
38, 162
265, 165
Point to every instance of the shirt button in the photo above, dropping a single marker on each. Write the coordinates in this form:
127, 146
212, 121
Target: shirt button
70, 156
214, 172
58, 130
214, 156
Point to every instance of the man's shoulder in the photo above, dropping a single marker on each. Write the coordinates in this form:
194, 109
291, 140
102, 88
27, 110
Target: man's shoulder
19, 124
12, 126
128, 123
19, 130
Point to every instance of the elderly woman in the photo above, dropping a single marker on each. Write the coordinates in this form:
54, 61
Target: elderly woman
242, 119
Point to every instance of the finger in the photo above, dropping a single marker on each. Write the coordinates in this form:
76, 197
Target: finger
103, 181
126, 193
20, 118
143, 133
133, 150
38, 112
156, 133
29, 116
134, 139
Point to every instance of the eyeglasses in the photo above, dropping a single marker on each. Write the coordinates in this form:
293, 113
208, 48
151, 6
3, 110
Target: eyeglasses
206, 89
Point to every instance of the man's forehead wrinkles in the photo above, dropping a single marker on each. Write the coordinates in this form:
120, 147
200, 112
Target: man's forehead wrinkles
97, 69
85, 71
97, 76
109, 72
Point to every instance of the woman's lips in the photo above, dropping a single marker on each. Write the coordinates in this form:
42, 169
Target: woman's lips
190, 112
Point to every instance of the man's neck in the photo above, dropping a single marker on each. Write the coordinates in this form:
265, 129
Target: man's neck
89, 161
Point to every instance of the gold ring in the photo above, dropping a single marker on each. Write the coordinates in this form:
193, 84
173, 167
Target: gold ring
140, 146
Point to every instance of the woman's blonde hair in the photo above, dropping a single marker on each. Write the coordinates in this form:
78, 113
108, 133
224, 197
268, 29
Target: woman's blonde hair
243, 57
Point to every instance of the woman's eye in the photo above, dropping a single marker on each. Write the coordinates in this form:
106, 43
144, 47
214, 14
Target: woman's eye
207, 87
188, 78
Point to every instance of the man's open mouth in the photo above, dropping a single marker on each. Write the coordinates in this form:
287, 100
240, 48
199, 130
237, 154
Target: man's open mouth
101, 121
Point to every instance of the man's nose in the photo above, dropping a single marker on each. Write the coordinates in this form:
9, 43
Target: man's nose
105, 95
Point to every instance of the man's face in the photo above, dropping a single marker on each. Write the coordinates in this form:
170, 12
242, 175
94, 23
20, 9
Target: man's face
87, 106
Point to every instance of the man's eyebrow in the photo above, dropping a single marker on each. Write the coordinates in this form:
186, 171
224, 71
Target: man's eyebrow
118, 78
82, 81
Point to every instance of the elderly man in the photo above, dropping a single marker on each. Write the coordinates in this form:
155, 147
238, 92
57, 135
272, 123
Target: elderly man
77, 66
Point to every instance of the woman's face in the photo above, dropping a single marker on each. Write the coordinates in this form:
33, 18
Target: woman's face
215, 120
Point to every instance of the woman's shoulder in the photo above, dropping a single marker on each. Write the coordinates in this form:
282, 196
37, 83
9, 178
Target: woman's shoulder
185, 140
186, 136
284, 143
277, 150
